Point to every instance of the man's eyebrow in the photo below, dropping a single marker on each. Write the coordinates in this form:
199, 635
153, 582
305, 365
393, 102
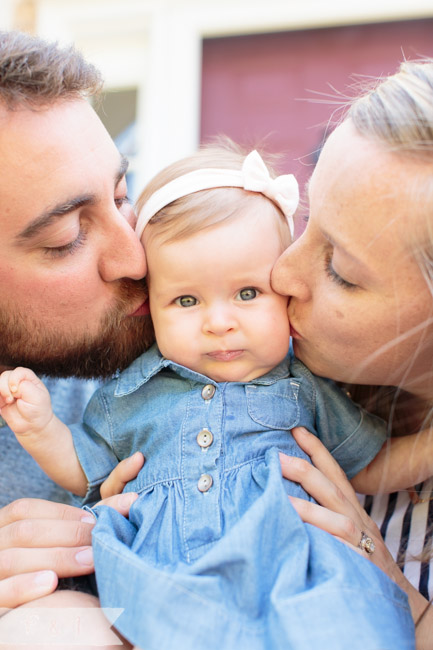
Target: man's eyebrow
123, 168
45, 219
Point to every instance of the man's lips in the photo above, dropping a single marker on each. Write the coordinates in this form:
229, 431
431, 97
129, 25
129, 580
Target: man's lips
225, 355
143, 309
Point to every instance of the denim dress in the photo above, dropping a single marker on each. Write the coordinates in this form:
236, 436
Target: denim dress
213, 552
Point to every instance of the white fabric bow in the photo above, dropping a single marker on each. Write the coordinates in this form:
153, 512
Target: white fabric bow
282, 190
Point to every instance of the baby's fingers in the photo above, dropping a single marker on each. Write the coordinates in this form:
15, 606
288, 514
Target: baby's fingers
12, 383
21, 378
6, 396
28, 389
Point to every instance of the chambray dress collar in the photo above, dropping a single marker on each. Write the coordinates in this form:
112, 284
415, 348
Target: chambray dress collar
151, 362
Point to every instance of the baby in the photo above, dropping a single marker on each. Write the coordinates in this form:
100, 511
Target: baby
213, 552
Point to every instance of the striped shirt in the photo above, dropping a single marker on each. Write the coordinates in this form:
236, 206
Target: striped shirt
407, 530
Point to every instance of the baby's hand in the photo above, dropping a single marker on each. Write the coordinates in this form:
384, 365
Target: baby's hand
25, 402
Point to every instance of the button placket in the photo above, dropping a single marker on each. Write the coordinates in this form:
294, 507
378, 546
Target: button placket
205, 439
201, 483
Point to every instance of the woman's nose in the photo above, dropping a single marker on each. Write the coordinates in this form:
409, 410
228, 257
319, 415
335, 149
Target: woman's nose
291, 275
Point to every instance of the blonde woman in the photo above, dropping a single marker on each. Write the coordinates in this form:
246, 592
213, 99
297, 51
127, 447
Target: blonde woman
361, 310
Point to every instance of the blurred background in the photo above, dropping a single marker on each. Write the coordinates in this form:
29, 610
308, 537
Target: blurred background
178, 72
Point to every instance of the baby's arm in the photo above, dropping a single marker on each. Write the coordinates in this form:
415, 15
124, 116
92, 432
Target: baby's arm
25, 405
401, 463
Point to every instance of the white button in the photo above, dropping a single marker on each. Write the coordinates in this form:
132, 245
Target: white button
205, 438
208, 391
204, 482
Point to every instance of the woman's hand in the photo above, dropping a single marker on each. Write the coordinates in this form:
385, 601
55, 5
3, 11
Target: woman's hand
338, 510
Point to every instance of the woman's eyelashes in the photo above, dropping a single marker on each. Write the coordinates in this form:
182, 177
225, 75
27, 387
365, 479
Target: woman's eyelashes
331, 273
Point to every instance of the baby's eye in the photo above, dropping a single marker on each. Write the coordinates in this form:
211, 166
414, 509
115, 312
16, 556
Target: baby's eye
247, 294
186, 301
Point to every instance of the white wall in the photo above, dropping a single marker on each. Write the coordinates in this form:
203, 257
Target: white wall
6, 14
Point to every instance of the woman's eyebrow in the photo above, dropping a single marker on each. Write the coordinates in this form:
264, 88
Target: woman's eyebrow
47, 218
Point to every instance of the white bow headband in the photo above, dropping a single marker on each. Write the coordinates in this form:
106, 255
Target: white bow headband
253, 176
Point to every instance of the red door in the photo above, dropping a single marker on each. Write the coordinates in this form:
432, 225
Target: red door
284, 86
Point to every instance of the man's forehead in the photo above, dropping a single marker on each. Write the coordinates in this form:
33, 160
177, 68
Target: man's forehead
58, 127
51, 157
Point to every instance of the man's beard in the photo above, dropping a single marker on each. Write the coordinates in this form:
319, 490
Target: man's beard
121, 338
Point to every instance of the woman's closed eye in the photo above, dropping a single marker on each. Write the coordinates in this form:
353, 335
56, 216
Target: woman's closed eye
186, 301
335, 277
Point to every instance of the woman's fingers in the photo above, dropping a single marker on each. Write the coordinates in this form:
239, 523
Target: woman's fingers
338, 510
335, 523
23, 588
125, 471
333, 513
339, 491
316, 484
322, 459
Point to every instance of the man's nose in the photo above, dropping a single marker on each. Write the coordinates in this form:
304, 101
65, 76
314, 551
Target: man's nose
122, 254
291, 275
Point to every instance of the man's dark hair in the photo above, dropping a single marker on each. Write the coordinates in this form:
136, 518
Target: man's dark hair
35, 73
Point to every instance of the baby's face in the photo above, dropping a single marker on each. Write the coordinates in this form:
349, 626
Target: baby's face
211, 300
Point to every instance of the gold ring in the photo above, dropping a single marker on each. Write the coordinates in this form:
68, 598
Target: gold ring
366, 544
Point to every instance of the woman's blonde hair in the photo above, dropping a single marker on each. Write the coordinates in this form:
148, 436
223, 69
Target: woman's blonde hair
194, 212
398, 110
398, 113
